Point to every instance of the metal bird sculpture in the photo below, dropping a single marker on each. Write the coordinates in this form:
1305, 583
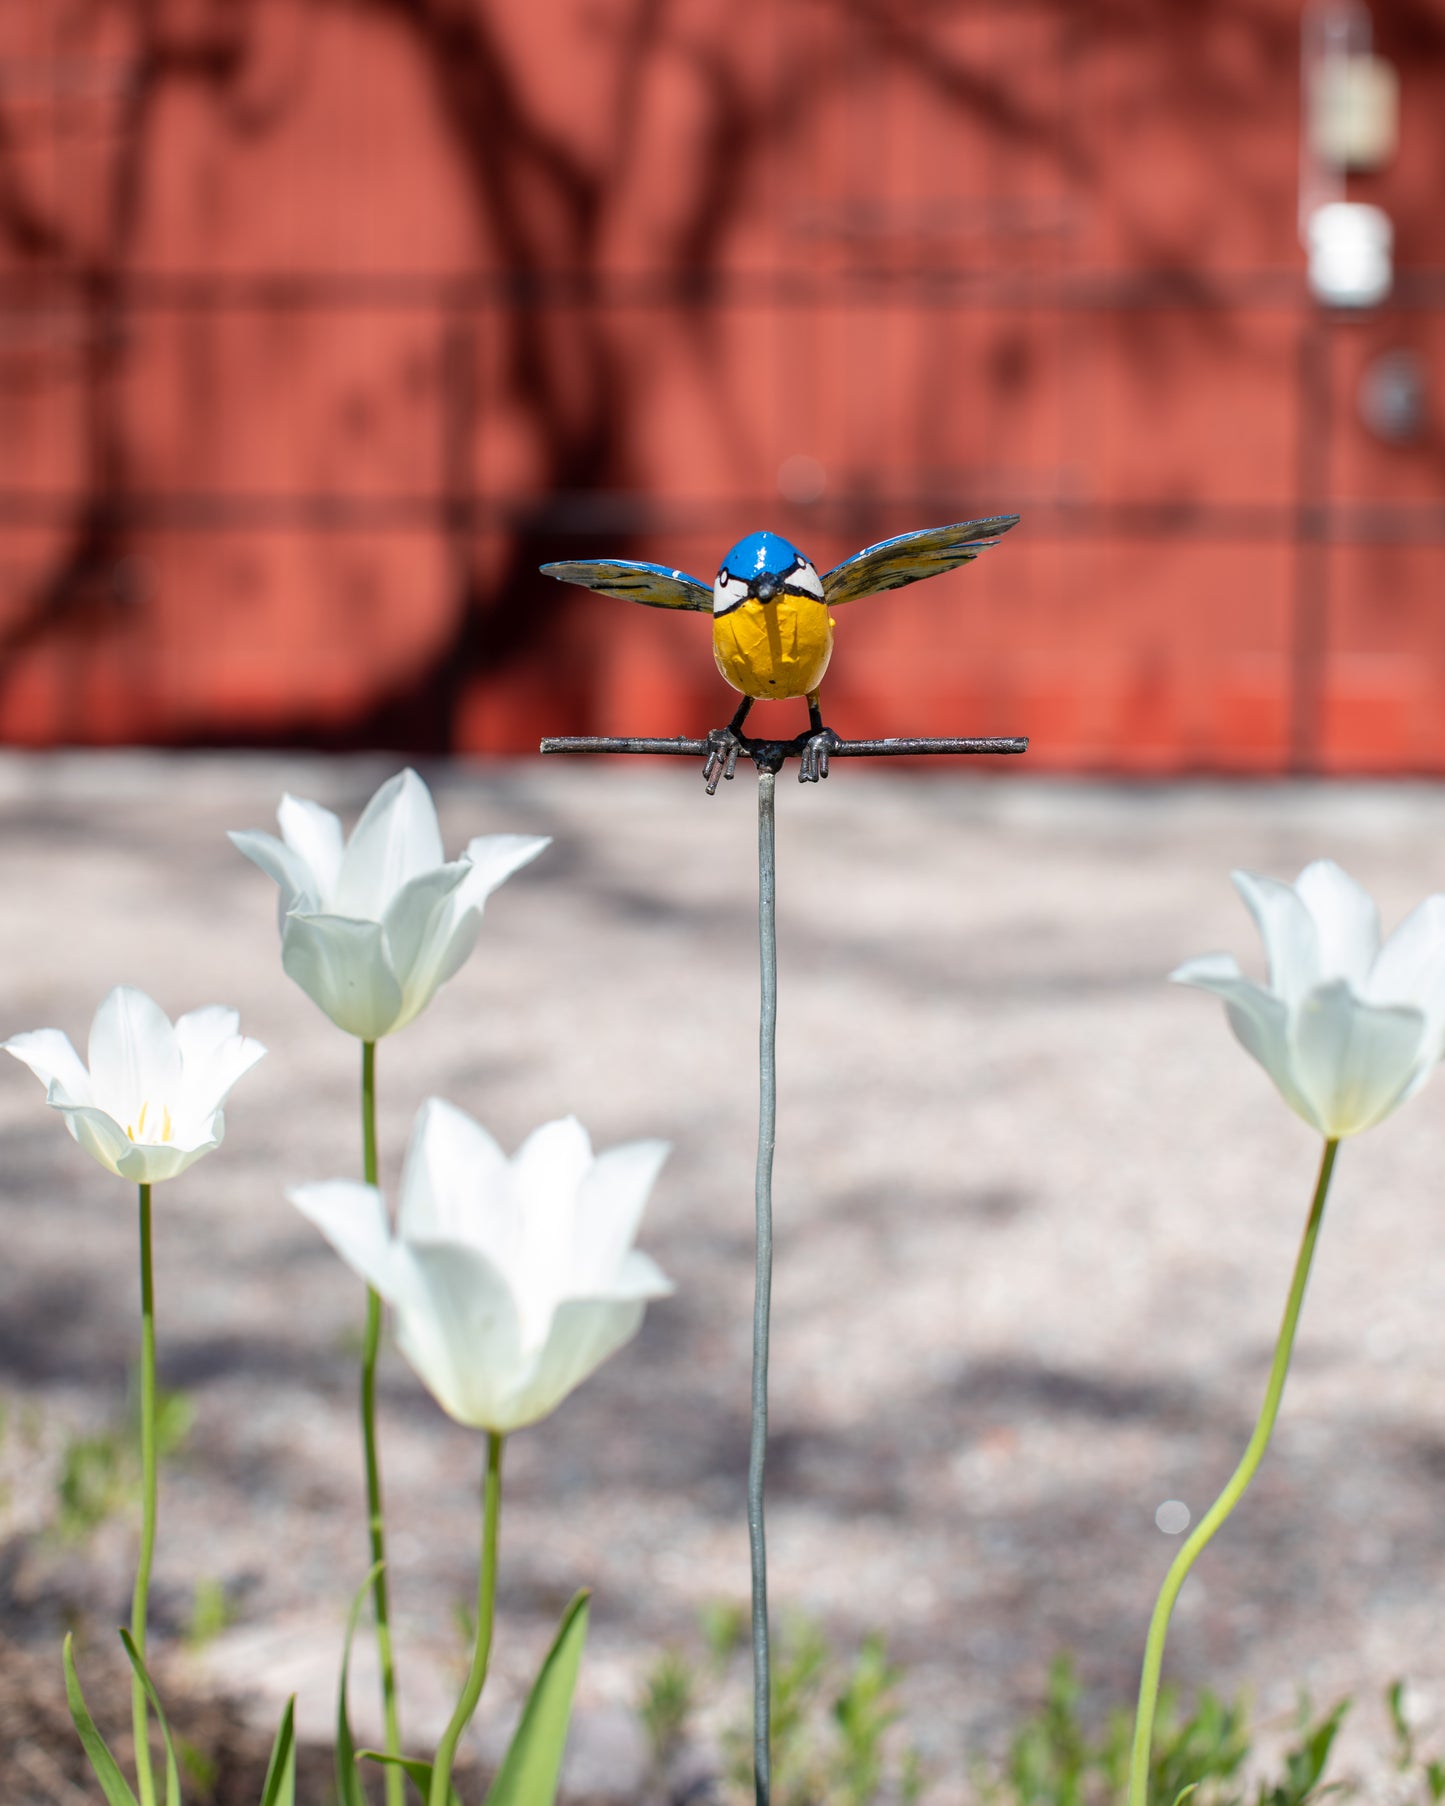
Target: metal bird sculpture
772, 629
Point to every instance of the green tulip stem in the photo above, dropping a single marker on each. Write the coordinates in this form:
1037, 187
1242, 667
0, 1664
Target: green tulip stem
441, 1774
1230, 1497
371, 1348
139, 1712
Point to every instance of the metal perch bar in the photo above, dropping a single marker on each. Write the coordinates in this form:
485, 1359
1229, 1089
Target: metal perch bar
783, 749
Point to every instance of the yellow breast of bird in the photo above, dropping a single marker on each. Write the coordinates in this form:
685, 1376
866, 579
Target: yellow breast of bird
777, 648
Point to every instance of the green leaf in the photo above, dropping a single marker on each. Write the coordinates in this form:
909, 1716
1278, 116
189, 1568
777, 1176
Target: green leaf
280, 1787
419, 1771
1184, 1793
199, 1766
528, 1775
1404, 1739
107, 1770
348, 1782
173, 1779
1305, 1764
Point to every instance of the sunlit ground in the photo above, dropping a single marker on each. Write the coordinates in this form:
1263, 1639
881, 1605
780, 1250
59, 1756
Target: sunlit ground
1036, 1212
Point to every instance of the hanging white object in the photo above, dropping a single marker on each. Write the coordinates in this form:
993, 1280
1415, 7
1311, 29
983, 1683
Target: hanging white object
1349, 120
1354, 111
1350, 254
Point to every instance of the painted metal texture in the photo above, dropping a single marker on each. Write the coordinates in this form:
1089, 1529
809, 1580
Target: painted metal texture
323, 325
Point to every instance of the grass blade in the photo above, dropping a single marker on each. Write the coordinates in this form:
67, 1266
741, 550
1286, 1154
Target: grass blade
528, 1775
418, 1771
113, 1783
348, 1782
173, 1777
280, 1787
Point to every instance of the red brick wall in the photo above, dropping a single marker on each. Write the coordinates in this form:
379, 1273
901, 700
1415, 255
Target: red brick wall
322, 322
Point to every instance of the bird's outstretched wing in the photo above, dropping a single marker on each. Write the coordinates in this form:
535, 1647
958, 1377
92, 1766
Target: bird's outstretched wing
893, 562
653, 584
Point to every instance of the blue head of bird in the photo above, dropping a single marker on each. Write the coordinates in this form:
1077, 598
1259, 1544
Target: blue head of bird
759, 569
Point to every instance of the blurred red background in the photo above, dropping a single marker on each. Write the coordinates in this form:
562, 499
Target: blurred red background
323, 322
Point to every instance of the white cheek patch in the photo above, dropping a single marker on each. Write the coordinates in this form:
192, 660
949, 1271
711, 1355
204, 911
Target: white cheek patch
805, 577
727, 592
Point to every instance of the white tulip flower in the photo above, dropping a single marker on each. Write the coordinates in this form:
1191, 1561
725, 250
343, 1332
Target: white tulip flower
373, 926
511, 1280
150, 1103
1348, 1029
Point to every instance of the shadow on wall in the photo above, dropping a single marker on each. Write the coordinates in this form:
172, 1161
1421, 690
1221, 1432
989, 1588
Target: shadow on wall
323, 323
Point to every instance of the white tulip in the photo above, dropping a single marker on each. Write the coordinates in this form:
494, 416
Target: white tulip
150, 1103
372, 927
511, 1280
1347, 1029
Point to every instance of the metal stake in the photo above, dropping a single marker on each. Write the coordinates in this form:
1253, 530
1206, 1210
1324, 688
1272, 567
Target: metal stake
763, 1291
769, 756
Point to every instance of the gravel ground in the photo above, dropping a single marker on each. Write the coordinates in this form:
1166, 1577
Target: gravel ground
1036, 1213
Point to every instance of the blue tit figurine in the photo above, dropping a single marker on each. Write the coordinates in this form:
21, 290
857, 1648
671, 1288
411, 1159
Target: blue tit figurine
772, 625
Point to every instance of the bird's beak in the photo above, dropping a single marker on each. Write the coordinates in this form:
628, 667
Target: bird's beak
766, 587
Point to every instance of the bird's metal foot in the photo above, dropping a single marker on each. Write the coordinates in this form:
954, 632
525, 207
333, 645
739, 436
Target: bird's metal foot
723, 749
813, 759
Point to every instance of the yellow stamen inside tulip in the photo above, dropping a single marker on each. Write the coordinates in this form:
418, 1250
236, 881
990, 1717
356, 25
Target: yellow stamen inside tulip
137, 1132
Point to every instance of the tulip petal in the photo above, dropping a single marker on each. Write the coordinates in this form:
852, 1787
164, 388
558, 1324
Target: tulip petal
1354, 1061
153, 1164
639, 1276
1260, 1021
391, 871
352, 1217
396, 839
455, 1184
342, 965
477, 1273
465, 1342
609, 1210
549, 1167
1411, 966
142, 1163
201, 1033
1209, 971
418, 928
1288, 931
134, 1057
198, 1137
49, 1055
1346, 921
150, 1105
583, 1333
494, 857
100, 1135
314, 835
213, 1057
547, 1174
293, 877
